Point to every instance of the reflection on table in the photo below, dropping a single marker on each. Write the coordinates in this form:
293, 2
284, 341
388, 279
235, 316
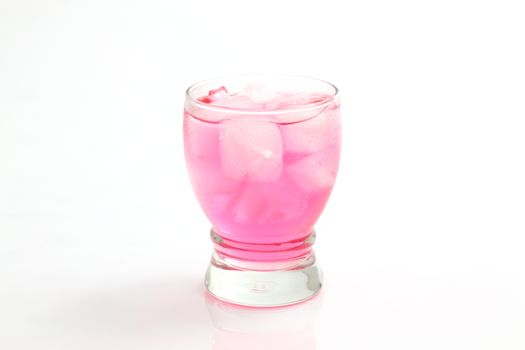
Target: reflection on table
241, 328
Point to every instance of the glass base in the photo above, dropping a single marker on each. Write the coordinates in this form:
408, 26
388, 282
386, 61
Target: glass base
263, 284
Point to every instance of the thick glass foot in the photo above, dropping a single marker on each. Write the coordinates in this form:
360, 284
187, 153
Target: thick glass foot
263, 284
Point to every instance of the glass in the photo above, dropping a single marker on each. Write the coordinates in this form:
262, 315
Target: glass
262, 152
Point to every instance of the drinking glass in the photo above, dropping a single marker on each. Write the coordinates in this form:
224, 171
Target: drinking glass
262, 153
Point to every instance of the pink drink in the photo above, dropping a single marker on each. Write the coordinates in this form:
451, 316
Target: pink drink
262, 164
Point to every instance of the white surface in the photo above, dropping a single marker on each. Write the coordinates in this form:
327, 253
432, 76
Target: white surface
103, 245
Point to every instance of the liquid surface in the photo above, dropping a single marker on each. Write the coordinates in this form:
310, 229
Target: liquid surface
255, 97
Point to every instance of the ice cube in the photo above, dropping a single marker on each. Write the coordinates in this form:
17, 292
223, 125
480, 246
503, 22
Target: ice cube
313, 134
251, 150
317, 170
259, 94
236, 101
269, 203
248, 205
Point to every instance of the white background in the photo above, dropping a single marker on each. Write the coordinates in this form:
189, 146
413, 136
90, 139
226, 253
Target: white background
103, 244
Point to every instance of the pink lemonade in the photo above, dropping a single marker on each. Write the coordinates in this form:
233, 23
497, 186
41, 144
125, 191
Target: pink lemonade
262, 164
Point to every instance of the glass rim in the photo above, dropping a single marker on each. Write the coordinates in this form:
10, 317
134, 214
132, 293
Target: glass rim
293, 109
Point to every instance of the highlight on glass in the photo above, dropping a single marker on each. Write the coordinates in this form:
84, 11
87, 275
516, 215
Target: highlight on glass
262, 152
